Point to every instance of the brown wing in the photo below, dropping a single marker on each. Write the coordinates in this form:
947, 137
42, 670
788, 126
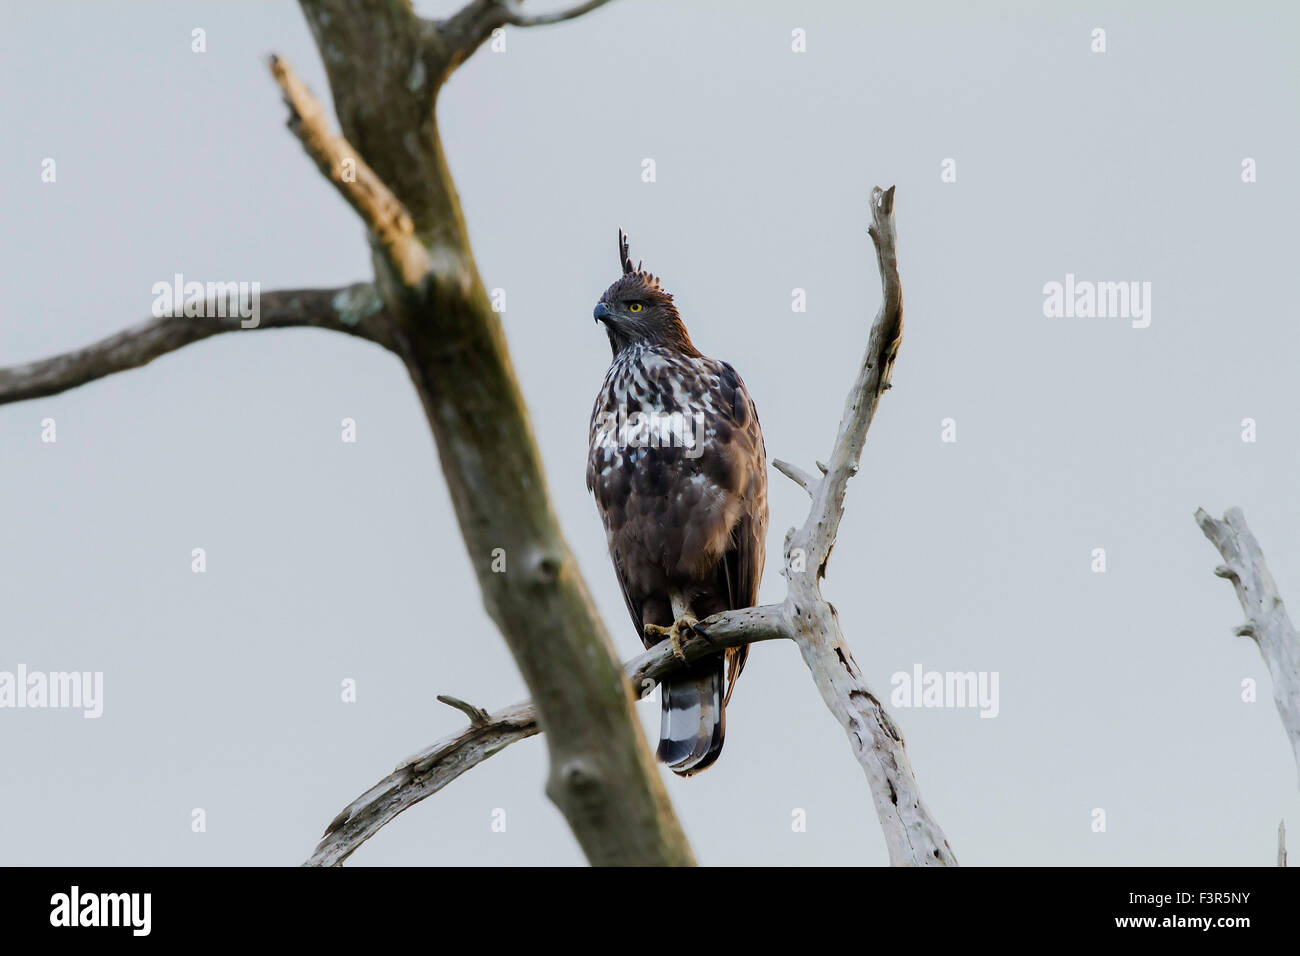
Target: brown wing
742, 566
631, 490
612, 502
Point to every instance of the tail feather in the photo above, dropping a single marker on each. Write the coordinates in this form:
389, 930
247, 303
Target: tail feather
693, 718
735, 658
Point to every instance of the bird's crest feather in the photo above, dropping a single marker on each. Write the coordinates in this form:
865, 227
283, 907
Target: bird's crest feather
625, 261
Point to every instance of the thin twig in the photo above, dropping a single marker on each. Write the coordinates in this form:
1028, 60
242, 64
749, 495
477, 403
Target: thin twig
476, 715
796, 474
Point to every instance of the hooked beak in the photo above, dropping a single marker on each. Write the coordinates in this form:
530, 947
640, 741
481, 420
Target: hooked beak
602, 312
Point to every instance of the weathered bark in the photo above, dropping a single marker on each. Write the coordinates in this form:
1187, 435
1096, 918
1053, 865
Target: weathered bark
1267, 623
385, 67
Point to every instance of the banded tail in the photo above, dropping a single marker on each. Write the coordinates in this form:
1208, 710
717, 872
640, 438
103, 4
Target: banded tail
694, 717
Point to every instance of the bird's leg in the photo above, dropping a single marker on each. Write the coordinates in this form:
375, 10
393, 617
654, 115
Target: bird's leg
684, 625
656, 633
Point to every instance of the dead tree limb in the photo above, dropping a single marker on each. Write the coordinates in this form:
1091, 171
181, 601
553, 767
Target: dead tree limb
461, 34
421, 776
1267, 623
437, 765
912, 835
515, 16
355, 310
382, 212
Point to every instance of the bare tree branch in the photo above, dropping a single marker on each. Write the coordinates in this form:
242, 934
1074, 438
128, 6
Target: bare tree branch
796, 474
912, 835
356, 310
427, 772
476, 715
466, 30
515, 15
1281, 843
747, 625
421, 776
1267, 622
872, 382
381, 211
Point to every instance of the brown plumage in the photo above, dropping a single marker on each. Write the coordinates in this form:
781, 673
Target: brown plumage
679, 473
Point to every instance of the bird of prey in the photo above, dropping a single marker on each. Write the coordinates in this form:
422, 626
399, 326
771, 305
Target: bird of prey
679, 473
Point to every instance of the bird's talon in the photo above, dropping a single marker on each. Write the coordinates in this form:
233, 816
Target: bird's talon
675, 636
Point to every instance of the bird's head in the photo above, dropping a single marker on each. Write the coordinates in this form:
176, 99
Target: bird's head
635, 310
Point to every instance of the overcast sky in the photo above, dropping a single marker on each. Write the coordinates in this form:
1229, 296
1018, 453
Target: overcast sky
329, 561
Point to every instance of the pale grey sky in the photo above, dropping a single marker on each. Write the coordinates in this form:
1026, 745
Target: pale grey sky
329, 561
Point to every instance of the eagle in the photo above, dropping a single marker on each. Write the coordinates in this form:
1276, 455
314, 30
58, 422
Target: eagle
679, 473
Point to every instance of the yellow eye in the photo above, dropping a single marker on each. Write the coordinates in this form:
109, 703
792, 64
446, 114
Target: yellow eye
635, 307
